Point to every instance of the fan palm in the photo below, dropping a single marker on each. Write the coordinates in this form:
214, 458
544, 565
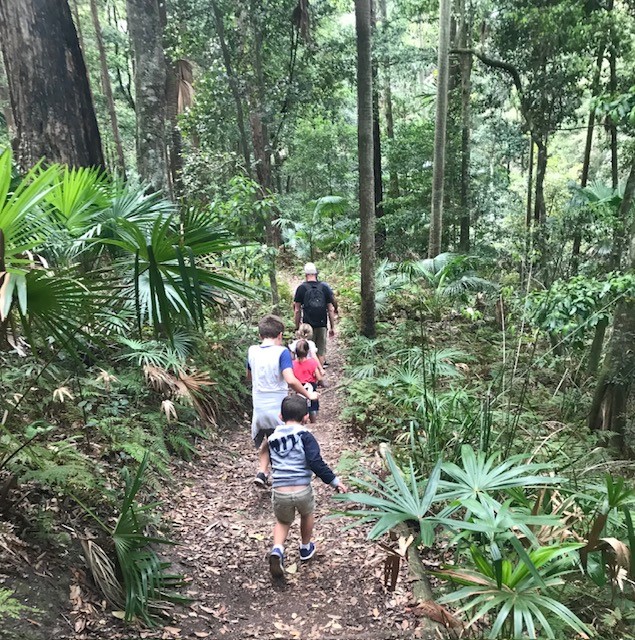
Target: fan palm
517, 601
396, 500
144, 581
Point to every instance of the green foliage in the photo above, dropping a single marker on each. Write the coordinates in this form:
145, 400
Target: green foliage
396, 500
320, 228
517, 599
569, 308
145, 583
480, 477
10, 607
144, 261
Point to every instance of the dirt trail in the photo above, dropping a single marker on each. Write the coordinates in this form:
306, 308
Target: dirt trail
224, 524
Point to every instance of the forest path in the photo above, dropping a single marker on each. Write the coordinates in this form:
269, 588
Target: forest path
224, 524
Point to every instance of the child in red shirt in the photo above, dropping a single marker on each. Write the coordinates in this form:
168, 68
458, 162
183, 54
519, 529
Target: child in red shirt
307, 371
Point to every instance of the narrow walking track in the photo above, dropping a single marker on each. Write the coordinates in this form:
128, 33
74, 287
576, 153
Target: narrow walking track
223, 523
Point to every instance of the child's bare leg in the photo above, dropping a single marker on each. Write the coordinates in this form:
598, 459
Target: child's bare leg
306, 528
313, 417
263, 458
280, 533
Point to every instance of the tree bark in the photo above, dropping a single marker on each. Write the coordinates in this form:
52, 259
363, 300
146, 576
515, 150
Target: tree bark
466, 128
540, 208
5, 101
146, 35
180, 75
438, 169
393, 178
366, 174
233, 85
611, 398
380, 228
107, 87
530, 185
586, 161
48, 85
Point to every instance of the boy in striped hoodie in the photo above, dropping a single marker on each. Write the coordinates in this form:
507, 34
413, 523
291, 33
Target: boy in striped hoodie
294, 455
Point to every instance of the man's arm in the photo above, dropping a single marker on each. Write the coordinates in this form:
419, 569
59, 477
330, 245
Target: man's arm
297, 311
296, 385
331, 313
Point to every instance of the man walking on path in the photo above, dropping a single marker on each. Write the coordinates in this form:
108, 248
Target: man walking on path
315, 304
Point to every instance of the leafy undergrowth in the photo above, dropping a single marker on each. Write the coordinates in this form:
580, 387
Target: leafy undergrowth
455, 370
223, 526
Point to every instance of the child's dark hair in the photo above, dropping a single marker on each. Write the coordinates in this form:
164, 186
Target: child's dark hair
294, 408
302, 348
270, 327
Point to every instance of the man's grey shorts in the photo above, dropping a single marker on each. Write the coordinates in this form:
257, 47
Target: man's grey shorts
319, 337
285, 504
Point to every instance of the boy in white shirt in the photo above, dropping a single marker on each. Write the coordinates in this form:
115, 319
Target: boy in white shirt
270, 369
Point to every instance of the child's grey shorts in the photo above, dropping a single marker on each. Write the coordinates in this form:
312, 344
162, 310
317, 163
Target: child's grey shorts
285, 504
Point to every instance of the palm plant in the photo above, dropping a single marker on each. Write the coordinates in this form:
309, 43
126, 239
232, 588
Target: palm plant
144, 583
79, 252
323, 227
484, 479
164, 278
516, 598
448, 276
396, 500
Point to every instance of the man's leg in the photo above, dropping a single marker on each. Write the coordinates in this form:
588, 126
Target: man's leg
319, 337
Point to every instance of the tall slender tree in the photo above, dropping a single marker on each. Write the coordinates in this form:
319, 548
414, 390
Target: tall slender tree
51, 104
393, 178
146, 35
441, 116
107, 86
617, 377
466, 125
366, 173
380, 227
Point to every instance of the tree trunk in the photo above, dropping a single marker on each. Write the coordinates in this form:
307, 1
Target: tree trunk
146, 35
262, 150
540, 208
107, 87
610, 402
233, 85
438, 170
595, 353
180, 79
616, 247
380, 228
466, 117
48, 85
5, 102
366, 174
586, 161
530, 184
393, 178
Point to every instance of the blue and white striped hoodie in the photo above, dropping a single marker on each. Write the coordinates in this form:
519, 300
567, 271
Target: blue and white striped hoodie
295, 457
